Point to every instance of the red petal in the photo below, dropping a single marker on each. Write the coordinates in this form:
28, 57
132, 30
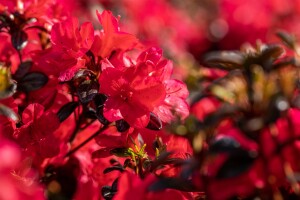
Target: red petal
153, 54
106, 64
108, 21
87, 35
32, 112
48, 147
150, 96
136, 115
111, 138
111, 80
111, 109
176, 88
112, 38
70, 73
63, 34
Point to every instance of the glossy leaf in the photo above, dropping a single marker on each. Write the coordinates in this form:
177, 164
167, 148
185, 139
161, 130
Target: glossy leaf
113, 168
23, 69
122, 125
114, 185
90, 113
223, 144
121, 152
107, 193
100, 116
161, 159
287, 38
19, 39
237, 163
87, 90
272, 51
82, 73
99, 99
65, 111
154, 123
225, 59
32, 81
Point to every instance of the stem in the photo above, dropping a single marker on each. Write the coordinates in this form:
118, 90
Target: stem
87, 125
78, 129
20, 55
78, 122
87, 140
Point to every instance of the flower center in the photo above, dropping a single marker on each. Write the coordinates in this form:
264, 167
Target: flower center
126, 94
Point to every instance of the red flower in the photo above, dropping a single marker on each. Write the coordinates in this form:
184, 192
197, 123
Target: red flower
36, 136
174, 105
71, 38
130, 94
111, 38
133, 92
71, 42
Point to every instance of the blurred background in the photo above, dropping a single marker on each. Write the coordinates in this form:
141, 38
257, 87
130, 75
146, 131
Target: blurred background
197, 26
186, 30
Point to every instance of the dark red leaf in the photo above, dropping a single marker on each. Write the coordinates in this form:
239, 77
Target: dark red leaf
65, 111
32, 81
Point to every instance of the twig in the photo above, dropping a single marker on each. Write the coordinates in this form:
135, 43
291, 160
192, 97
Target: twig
87, 140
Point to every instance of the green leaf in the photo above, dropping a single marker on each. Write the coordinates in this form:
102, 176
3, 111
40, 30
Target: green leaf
121, 152
19, 39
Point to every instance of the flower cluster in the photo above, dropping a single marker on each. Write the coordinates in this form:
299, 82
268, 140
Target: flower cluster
92, 107
77, 101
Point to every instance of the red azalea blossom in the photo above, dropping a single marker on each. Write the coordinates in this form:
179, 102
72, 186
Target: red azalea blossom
36, 136
133, 92
71, 42
91, 111
71, 38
